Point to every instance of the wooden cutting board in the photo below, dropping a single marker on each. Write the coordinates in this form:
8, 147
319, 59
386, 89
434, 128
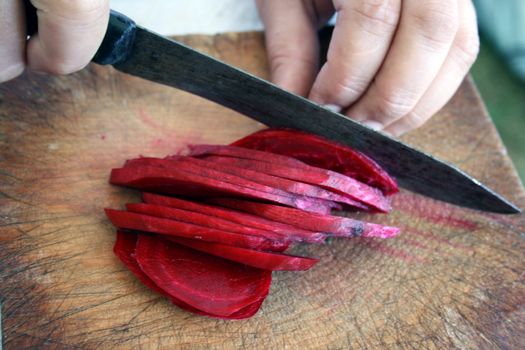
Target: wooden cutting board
452, 279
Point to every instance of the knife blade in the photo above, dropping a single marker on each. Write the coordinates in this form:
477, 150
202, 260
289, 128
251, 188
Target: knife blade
140, 52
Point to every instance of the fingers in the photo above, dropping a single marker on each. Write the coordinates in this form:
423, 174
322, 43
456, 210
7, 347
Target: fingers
69, 34
420, 46
12, 39
462, 55
291, 42
361, 38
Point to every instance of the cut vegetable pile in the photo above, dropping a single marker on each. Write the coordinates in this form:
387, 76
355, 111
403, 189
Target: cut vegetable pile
214, 224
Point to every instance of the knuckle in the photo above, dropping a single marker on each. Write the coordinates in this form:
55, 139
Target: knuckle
437, 21
349, 87
467, 48
374, 13
282, 59
414, 120
394, 103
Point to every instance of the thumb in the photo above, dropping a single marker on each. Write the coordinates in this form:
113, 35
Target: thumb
69, 34
291, 43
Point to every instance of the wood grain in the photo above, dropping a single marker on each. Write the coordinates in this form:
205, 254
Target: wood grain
453, 279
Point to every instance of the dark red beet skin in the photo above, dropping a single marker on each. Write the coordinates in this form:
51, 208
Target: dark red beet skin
322, 153
205, 282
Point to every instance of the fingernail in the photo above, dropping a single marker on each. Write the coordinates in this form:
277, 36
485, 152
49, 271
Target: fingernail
333, 108
371, 124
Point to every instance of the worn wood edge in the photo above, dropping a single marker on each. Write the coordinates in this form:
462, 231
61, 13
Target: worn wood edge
485, 113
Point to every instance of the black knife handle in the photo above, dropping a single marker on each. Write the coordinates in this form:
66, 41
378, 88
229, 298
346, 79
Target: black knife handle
117, 43
31, 18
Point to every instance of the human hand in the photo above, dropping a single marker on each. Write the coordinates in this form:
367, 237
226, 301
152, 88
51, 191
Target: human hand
391, 64
69, 34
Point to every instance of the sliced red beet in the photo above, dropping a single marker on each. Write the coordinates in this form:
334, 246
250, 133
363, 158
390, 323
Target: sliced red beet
173, 181
205, 168
203, 220
287, 231
244, 152
216, 261
125, 250
208, 283
287, 185
336, 225
146, 223
255, 258
322, 153
324, 178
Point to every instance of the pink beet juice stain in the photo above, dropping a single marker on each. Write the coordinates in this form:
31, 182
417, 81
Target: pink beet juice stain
171, 139
391, 251
432, 211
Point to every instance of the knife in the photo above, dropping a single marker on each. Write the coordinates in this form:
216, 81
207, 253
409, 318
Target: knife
137, 51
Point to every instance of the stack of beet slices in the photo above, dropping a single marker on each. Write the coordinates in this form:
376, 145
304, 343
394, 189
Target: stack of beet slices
214, 224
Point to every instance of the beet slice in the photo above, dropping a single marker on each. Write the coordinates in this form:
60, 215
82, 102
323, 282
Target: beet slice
173, 181
322, 153
203, 168
290, 186
124, 249
243, 152
203, 220
140, 222
255, 258
289, 232
336, 225
336, 182
208, 283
